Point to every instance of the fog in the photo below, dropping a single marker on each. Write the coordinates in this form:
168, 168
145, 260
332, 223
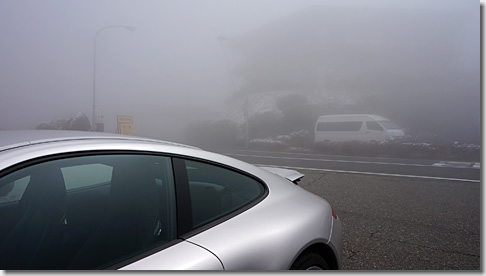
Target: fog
414, 62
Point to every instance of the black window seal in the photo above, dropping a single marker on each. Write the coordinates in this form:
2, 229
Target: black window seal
183, 198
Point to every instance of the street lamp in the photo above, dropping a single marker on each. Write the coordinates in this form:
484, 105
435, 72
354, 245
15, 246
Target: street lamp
130, 28
245, 108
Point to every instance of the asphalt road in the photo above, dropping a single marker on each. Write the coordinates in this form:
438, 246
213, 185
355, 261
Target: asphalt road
399, 223
397, 214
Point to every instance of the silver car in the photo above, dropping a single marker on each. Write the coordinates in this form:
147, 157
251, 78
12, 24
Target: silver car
83, 200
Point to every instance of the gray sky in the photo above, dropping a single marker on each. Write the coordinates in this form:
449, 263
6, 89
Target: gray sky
47, 53
171, 61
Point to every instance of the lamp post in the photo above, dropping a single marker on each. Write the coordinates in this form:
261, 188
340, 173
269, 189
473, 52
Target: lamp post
130, 28
245, 106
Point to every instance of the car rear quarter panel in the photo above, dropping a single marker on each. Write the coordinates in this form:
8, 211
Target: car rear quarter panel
270, 235
181, 256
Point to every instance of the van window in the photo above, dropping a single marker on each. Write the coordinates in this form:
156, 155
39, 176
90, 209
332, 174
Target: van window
339, 126
374, 126
389, 125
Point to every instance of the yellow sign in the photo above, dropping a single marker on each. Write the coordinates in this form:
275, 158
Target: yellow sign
125, 125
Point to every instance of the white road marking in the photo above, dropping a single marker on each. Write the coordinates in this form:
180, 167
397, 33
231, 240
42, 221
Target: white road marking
328, 160
372, 173
449, 164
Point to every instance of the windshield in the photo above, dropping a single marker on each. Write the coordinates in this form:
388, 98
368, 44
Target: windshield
389, 125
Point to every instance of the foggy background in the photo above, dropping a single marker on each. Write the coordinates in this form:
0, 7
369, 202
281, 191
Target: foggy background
416, 63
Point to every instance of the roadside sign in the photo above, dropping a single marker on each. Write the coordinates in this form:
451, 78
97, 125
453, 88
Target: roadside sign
125, 125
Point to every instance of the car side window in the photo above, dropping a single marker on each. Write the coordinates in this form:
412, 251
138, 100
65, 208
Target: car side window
373, 126
339, 126
216, 191
87, 212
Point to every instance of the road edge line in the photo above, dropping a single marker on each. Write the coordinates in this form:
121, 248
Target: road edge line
372, 173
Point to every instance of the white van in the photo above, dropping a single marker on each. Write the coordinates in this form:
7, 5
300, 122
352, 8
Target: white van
355, 127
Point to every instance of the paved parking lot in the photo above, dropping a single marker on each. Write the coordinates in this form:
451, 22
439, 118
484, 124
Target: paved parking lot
394, 223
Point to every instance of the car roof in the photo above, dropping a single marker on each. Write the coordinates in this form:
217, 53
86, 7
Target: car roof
18, 138
375, 117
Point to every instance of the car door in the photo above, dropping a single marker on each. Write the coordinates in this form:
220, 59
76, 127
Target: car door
95, 210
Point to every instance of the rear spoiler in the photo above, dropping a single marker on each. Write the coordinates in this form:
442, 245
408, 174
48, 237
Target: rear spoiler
293, 176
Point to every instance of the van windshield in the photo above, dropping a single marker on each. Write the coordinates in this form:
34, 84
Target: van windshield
389, 125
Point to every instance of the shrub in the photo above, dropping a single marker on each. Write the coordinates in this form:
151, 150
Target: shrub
267, 144
78, 122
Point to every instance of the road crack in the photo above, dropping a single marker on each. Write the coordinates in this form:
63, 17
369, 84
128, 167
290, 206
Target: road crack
373, 233
351, 253
314, 181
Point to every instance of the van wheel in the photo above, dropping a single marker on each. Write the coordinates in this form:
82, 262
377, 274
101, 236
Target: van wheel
310, 261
